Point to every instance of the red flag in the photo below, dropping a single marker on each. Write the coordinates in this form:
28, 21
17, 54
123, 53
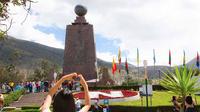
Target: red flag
119, 59
170, 58
197, 62
126, 66
114, 66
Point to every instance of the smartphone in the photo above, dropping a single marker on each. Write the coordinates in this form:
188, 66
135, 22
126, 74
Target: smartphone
76, 86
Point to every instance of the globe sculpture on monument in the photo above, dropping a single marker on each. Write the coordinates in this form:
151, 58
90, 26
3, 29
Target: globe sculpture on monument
80, 54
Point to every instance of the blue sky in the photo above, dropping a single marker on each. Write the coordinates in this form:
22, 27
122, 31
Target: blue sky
103, 44
128, 24
58, 32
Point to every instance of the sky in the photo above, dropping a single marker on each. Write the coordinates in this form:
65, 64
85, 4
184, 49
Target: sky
124, 24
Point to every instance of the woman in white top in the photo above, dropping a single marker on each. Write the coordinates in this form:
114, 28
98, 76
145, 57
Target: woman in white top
65, 102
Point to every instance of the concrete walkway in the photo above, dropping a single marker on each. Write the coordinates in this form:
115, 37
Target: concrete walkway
31, 99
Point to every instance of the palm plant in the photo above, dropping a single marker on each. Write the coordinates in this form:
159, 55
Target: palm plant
181, 81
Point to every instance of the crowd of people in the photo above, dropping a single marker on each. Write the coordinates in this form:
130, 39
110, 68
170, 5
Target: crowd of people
31, 87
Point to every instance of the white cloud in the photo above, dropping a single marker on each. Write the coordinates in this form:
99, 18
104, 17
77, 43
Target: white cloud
27, 30
143, 24
107, 56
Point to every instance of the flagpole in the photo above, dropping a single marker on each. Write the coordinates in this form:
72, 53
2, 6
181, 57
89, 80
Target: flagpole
170, 59
154, 67
146, 84
138, 70
154, 61
138, 62
159, 75
126, 68
198, 59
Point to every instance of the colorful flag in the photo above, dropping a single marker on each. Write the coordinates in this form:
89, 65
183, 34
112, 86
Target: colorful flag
114, 66
184, 58
137, 57
126, 66
170, 58
154, 57
119, 59
197, 63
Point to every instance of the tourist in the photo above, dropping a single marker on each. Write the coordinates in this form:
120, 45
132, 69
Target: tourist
39, 86
96, 106
17, 87
11, 84
52, 84
106, 108
189, 105
8, 88
4, 88
34, 87
64, 101
30, 86
46, 86
176, 106
42, 86
70, 85
27, 87
1, 101
78, 104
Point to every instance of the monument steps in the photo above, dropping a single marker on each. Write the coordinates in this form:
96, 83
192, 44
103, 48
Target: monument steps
30, 99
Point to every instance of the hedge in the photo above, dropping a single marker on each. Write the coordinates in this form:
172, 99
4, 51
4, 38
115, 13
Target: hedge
28, 110
13, 96
155, 87
29, 107
118, 108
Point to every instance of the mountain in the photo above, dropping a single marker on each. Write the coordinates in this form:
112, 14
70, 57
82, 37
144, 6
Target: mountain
27, 55
192, 62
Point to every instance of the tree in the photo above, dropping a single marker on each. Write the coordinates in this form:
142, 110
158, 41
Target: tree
43, 71
10, 73
4, 13
181, 82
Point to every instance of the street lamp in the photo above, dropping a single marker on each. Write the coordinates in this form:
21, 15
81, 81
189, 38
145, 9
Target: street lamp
146, 77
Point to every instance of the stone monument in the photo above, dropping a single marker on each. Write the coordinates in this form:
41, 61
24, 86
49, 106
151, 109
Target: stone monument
105, 79
80, 54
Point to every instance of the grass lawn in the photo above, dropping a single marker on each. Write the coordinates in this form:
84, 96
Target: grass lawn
159, 98
4, 95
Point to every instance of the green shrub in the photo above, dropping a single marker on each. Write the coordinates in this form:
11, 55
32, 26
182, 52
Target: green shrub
13, 96
29, 107
28, 110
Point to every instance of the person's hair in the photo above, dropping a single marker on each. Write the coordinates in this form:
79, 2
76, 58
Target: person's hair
173, 98
188, 100
63, 102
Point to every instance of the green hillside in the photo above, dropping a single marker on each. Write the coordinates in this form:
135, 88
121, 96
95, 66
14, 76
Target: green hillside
26, 54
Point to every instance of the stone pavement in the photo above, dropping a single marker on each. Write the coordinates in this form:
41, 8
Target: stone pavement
31, 99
